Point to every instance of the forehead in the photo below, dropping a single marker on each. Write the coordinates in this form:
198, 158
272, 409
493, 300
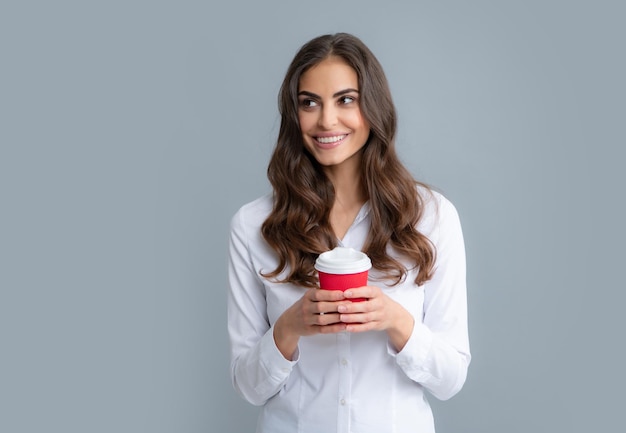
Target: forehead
330, 75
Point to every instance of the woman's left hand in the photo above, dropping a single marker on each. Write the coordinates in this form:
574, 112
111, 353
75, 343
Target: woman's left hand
377, 313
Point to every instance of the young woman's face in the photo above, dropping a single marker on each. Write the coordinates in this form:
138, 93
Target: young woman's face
333, 129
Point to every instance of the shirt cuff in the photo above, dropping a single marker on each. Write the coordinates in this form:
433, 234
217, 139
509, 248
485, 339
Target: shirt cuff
413, 357
274, 361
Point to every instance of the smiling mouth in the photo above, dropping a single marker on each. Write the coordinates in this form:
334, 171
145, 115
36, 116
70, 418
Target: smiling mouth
331, 140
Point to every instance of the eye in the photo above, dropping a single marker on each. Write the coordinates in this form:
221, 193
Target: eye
344, 100
308, 103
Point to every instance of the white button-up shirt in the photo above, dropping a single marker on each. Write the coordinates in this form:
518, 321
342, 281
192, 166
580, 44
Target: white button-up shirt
348, 382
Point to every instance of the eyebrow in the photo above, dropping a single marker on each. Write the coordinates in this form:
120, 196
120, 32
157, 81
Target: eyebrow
339, 93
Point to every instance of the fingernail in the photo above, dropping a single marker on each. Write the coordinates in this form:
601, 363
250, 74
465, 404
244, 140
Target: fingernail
348, 294
341, 309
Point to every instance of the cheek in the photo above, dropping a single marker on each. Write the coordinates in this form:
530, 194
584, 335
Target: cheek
306, 121
366, 126
358, 121
362, 127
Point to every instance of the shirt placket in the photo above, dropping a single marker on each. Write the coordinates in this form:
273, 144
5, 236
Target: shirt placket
354, 238
357, 232
345, 382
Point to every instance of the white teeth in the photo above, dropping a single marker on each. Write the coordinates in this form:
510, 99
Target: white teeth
327, 140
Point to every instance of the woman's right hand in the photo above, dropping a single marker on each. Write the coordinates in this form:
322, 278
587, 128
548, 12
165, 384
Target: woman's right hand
314, 313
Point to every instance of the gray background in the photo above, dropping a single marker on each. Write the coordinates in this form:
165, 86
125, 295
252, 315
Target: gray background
132, 130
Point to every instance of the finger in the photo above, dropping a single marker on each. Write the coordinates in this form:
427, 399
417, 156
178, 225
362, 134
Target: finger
327, 307
364, 306
361, 327
318, 295
332, 328
366, 292
318, 316
324, 319
358, 317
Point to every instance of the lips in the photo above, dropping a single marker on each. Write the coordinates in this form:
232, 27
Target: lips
328, 142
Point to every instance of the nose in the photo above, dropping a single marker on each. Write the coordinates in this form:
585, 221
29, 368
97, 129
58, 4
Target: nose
328, 117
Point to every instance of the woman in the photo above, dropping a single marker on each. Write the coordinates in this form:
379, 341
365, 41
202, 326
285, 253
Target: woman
316, 361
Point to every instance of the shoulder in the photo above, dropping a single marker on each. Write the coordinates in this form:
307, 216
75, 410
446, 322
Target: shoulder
252, 214
247, 244
434, 202
437, 210
262, 205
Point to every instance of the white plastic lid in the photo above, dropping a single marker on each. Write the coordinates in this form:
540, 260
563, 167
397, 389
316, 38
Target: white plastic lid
342, 260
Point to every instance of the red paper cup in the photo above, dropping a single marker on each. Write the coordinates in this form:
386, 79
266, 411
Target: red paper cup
342, 269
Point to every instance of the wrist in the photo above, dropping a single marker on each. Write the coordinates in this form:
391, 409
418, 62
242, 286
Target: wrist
285, 341
401, 330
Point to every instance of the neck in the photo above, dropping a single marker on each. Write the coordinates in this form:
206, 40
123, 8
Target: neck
346, 180
349, 194
349, 198
349, 191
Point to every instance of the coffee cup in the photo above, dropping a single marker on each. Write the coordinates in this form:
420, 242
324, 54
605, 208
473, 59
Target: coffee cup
343, 268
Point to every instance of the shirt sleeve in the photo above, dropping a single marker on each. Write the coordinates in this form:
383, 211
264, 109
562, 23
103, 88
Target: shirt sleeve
437, 353
258, 369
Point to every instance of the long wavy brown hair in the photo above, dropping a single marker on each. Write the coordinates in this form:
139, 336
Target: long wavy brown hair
298, 228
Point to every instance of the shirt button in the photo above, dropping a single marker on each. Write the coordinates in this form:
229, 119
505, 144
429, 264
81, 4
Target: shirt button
344, 361
342, 401
285, 370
